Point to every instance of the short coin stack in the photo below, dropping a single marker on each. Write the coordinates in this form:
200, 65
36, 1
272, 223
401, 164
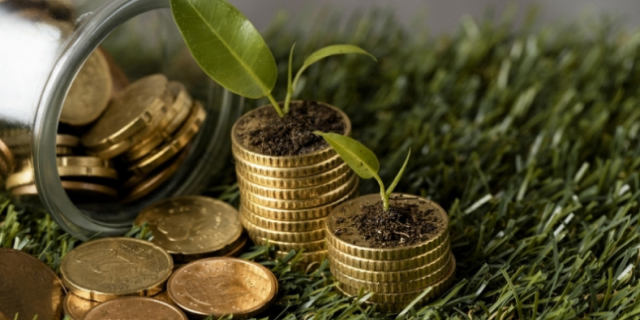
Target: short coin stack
285, 199
397, 275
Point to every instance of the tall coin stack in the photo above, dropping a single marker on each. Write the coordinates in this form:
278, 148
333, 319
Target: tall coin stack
285, 199
396, 275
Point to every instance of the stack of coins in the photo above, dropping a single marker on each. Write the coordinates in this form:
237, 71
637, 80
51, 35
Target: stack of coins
285, 199
397, 275
7, 161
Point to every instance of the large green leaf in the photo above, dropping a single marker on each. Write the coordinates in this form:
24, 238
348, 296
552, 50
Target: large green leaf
362, 160
327, 52
226, 46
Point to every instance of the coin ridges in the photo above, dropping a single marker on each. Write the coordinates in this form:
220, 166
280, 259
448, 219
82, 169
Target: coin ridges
294, 172
297, 193
291, 183
295, 237
287, 226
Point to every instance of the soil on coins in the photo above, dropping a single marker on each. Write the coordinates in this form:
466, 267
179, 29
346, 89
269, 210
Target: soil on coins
263, 131
403, 225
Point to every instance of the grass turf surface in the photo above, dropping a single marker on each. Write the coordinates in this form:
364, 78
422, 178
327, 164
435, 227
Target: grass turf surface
529, 139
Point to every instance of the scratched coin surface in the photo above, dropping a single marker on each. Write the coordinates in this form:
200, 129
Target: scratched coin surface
222, 286
135, 308
192, 224
105, 269
28, 287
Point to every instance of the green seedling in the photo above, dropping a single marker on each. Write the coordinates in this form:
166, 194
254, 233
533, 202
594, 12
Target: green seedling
362, 161
233, 53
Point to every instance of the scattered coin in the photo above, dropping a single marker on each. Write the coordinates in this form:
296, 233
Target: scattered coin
105, 269
223, 286
90, 92
28, 287
135, 308
192, 225
76, 308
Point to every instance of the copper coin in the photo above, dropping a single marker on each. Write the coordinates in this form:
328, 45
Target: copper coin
133, 308
190, 225
28, 287
76, 308
223, 286
90, 92
108, 268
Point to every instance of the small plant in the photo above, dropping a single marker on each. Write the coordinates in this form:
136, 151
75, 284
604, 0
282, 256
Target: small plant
363, 161
233, 53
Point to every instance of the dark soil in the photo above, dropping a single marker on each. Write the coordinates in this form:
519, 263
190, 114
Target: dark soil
403, 225
263, 131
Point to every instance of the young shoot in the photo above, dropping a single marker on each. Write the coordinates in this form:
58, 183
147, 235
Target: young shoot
233, 53
362, 161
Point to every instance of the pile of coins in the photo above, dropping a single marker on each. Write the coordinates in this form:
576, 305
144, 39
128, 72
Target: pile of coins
285, 199
186, 269
397, 275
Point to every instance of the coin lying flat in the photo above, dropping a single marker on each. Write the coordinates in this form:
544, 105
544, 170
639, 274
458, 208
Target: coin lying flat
67, 140
287, 226
292, 183
190, 225
28, 287
135, 308
295, 193
292, 237
223, 286
77, 308
90, 92
296, 172
105, 269
128, 113
68, 167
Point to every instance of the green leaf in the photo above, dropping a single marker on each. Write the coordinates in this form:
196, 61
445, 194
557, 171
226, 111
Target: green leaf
362, 160
327, 52
226, 46
399, 176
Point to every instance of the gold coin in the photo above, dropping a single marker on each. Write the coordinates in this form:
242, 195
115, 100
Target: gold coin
438, 288
135, 308
191, 225
389, 265
7, 161
76, 308
286, 226
351, 242
390, 276
300, 214
297, 193
236, 250
310, 246
186, 133
295, 237
249, 121
28, 287
179, 111
296, 172
326, 198
292, 183
223, 286
80, 192
90, 92
67, 140
68, 166
129, 113
64, 151
146, 185
108, 268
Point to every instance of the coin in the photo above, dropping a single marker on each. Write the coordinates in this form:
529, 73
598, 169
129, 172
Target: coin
80, 192
405, 276
223, 286
236, 250
389, 265
90, 92
248, 121
135, 308
287, 226
64, 151
438, 288
299, 214
144, 185
186, 133
295, 172
68, 167
291, 183
119, 79
7, 161
129, 112
77, 308
28, 287
351, 242
295, 237
296, 193
67, 140
190, 225
328, 197
105, 269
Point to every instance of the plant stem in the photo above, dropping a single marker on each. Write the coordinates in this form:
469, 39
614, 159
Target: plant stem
383, 194
275, 104
287, 101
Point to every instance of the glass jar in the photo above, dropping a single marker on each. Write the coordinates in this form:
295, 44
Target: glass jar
38, 62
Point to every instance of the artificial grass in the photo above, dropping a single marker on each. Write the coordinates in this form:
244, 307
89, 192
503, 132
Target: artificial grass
529, 139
